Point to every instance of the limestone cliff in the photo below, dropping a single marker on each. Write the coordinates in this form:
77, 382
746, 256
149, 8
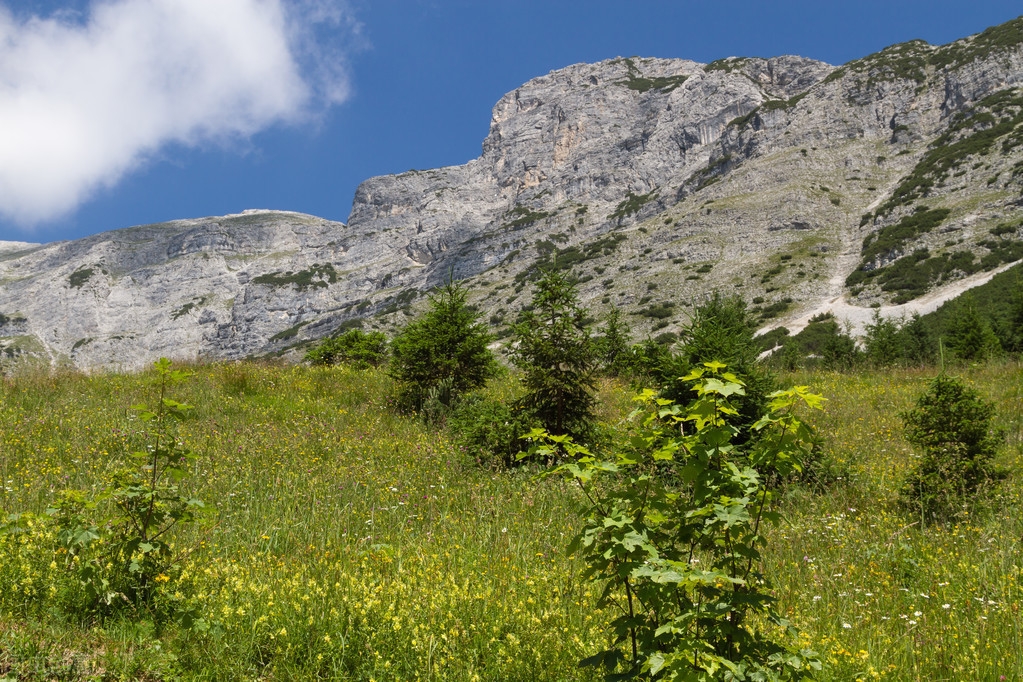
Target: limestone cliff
792, 182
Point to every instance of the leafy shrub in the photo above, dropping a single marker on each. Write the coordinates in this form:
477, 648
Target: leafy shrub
673, 531
79, 277
355, 348
951, 424
521, 216
116, 542
893, 238
631, 204
553, 258
315, 277
488, 430
663, 84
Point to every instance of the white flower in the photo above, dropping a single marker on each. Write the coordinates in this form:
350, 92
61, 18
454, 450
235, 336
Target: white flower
847, 626
946, 606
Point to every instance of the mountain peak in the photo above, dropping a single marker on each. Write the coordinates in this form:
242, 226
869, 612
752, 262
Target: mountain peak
801, 186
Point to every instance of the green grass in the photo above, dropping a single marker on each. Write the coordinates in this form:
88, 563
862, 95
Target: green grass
349, 542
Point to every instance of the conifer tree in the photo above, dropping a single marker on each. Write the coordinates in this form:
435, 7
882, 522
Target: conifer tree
916, 346
882, 341
970, 335
613, 347
446, 347
954, 427
1015, 322
554, 350
721, 330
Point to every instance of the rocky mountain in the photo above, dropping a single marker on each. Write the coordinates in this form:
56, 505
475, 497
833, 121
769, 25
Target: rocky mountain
804, 187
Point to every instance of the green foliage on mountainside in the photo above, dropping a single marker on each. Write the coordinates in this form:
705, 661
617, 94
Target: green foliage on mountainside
313, 277
910, 276
972, 133
913, 60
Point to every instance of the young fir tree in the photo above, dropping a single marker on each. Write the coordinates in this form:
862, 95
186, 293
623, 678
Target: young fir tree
952, 425
445, 347
882, 342
916, 346
721, 330
553, 348
970, 336
1015, 321
613, 347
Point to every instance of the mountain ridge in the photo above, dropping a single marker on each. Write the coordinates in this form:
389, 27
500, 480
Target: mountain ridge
653, 180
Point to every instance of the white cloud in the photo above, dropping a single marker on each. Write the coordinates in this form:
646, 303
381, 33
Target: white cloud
84, 102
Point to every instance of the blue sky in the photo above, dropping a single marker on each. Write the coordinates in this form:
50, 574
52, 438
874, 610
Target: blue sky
345, 90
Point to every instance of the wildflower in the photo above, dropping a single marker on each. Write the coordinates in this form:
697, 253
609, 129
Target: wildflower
847, 626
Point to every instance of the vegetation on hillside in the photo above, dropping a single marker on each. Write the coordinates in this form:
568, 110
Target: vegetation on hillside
349, 538
346, 540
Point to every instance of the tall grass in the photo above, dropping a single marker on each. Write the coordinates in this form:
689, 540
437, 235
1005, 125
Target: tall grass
350, 542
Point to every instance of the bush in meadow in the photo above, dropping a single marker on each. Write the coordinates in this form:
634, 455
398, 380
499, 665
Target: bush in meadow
721, 329
553, 349
355, 348
952, 426
674, 530
442, 354
115, 540
488, 430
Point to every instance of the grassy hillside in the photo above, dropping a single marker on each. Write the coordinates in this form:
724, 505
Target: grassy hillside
348, 542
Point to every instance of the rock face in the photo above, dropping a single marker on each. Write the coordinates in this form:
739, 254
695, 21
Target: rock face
791, 182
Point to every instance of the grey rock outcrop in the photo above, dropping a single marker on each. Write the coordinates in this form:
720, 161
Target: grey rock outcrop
654, 180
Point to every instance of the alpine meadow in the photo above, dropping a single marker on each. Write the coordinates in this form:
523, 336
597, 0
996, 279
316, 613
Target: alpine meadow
699, 372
